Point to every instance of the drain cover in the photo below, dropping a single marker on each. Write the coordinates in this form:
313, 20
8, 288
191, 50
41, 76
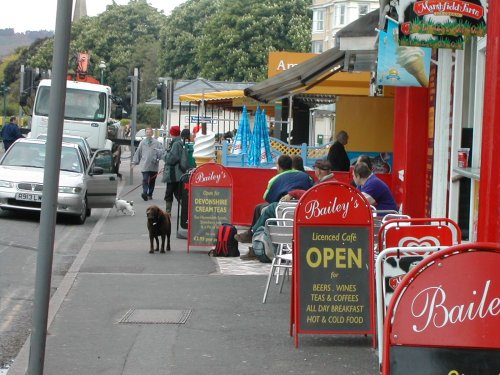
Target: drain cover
138, 316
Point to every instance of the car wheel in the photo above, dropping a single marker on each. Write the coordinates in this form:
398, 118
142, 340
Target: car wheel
89, 212
80, 219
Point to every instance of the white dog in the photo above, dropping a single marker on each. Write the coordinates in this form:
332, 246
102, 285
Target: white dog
125, 206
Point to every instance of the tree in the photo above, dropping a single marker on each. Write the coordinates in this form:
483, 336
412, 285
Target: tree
180, 36
237, 39
231, 39
124, 37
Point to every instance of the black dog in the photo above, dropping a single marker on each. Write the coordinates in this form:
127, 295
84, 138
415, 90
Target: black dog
158, 226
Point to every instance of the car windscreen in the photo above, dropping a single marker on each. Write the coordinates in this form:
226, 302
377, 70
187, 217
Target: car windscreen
80, 104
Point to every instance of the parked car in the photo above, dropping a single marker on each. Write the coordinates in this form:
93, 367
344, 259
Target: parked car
80, 141
83, 184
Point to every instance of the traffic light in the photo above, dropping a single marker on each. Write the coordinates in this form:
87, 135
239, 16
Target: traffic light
130, 89
4, 89
169, 94
160, 91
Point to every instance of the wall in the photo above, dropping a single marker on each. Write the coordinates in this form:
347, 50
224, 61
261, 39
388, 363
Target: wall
369, 121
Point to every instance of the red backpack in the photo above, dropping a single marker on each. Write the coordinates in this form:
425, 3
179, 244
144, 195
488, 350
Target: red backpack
226, 245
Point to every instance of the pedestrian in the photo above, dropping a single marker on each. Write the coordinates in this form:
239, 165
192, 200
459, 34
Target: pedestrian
337, 156
116, 149
10, 132
172, 172
150, 152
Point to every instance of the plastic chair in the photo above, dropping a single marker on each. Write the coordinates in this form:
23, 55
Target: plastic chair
281, 233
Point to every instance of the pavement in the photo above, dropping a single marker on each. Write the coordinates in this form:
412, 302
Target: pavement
121, 311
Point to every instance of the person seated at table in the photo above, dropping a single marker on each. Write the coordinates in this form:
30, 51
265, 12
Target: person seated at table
362, 159
287, 179
298, 163
322, 170
374, 189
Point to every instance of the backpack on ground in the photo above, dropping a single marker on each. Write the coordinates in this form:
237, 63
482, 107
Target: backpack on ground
262, 245
226, 245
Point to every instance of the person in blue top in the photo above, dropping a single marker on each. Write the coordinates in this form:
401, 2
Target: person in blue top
10, 132
373, 188
286, 180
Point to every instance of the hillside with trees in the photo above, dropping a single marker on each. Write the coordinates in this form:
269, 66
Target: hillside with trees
10, 41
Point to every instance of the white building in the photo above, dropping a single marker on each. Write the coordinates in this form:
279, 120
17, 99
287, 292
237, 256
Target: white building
329, 16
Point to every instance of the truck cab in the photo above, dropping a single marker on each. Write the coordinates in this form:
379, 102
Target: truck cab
87, 112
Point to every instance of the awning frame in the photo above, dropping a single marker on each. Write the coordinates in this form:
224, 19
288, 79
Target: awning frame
299, 77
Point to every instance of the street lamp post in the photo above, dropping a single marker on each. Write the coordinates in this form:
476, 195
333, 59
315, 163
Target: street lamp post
102, 66
4, 89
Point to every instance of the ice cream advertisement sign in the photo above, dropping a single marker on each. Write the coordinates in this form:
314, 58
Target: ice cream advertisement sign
440, 23
401, 65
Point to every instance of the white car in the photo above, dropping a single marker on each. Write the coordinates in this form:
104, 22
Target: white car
83, 184
80, 141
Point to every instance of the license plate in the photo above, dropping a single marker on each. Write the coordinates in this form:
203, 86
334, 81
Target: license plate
29, 197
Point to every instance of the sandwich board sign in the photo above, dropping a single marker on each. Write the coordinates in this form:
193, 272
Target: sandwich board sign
333, 283
210, 203
445, 315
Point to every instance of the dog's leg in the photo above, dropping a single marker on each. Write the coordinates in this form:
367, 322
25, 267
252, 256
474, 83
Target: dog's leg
162, 243
151, 249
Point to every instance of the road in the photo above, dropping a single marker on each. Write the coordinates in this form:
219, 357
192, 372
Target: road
19, 233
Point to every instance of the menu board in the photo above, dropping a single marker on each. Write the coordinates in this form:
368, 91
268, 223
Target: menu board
211, 206
335, 287
333, 262
210, 203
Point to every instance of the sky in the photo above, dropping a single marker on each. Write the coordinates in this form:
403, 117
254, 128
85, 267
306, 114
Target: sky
35, 15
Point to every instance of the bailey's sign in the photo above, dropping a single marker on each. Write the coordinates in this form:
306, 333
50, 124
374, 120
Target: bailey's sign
446, 312
333, 262
210, 203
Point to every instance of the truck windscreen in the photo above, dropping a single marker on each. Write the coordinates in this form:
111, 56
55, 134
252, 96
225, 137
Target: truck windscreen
80, 104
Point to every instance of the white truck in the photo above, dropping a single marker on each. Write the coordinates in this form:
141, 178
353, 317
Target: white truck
87, 112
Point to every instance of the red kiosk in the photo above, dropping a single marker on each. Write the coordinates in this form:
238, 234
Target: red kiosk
333, 285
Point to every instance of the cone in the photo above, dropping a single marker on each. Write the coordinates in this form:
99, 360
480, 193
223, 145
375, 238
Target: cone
200, 160
416, 69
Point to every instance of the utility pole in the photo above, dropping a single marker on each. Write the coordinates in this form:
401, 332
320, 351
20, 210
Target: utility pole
4, 90
134, 84
21, 88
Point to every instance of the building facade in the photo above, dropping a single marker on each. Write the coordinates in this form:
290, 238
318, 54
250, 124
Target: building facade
329, 16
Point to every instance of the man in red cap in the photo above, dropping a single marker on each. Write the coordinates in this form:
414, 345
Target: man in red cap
175, 130
172, 172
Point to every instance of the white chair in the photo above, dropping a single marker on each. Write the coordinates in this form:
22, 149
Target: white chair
281, 233
285, 210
